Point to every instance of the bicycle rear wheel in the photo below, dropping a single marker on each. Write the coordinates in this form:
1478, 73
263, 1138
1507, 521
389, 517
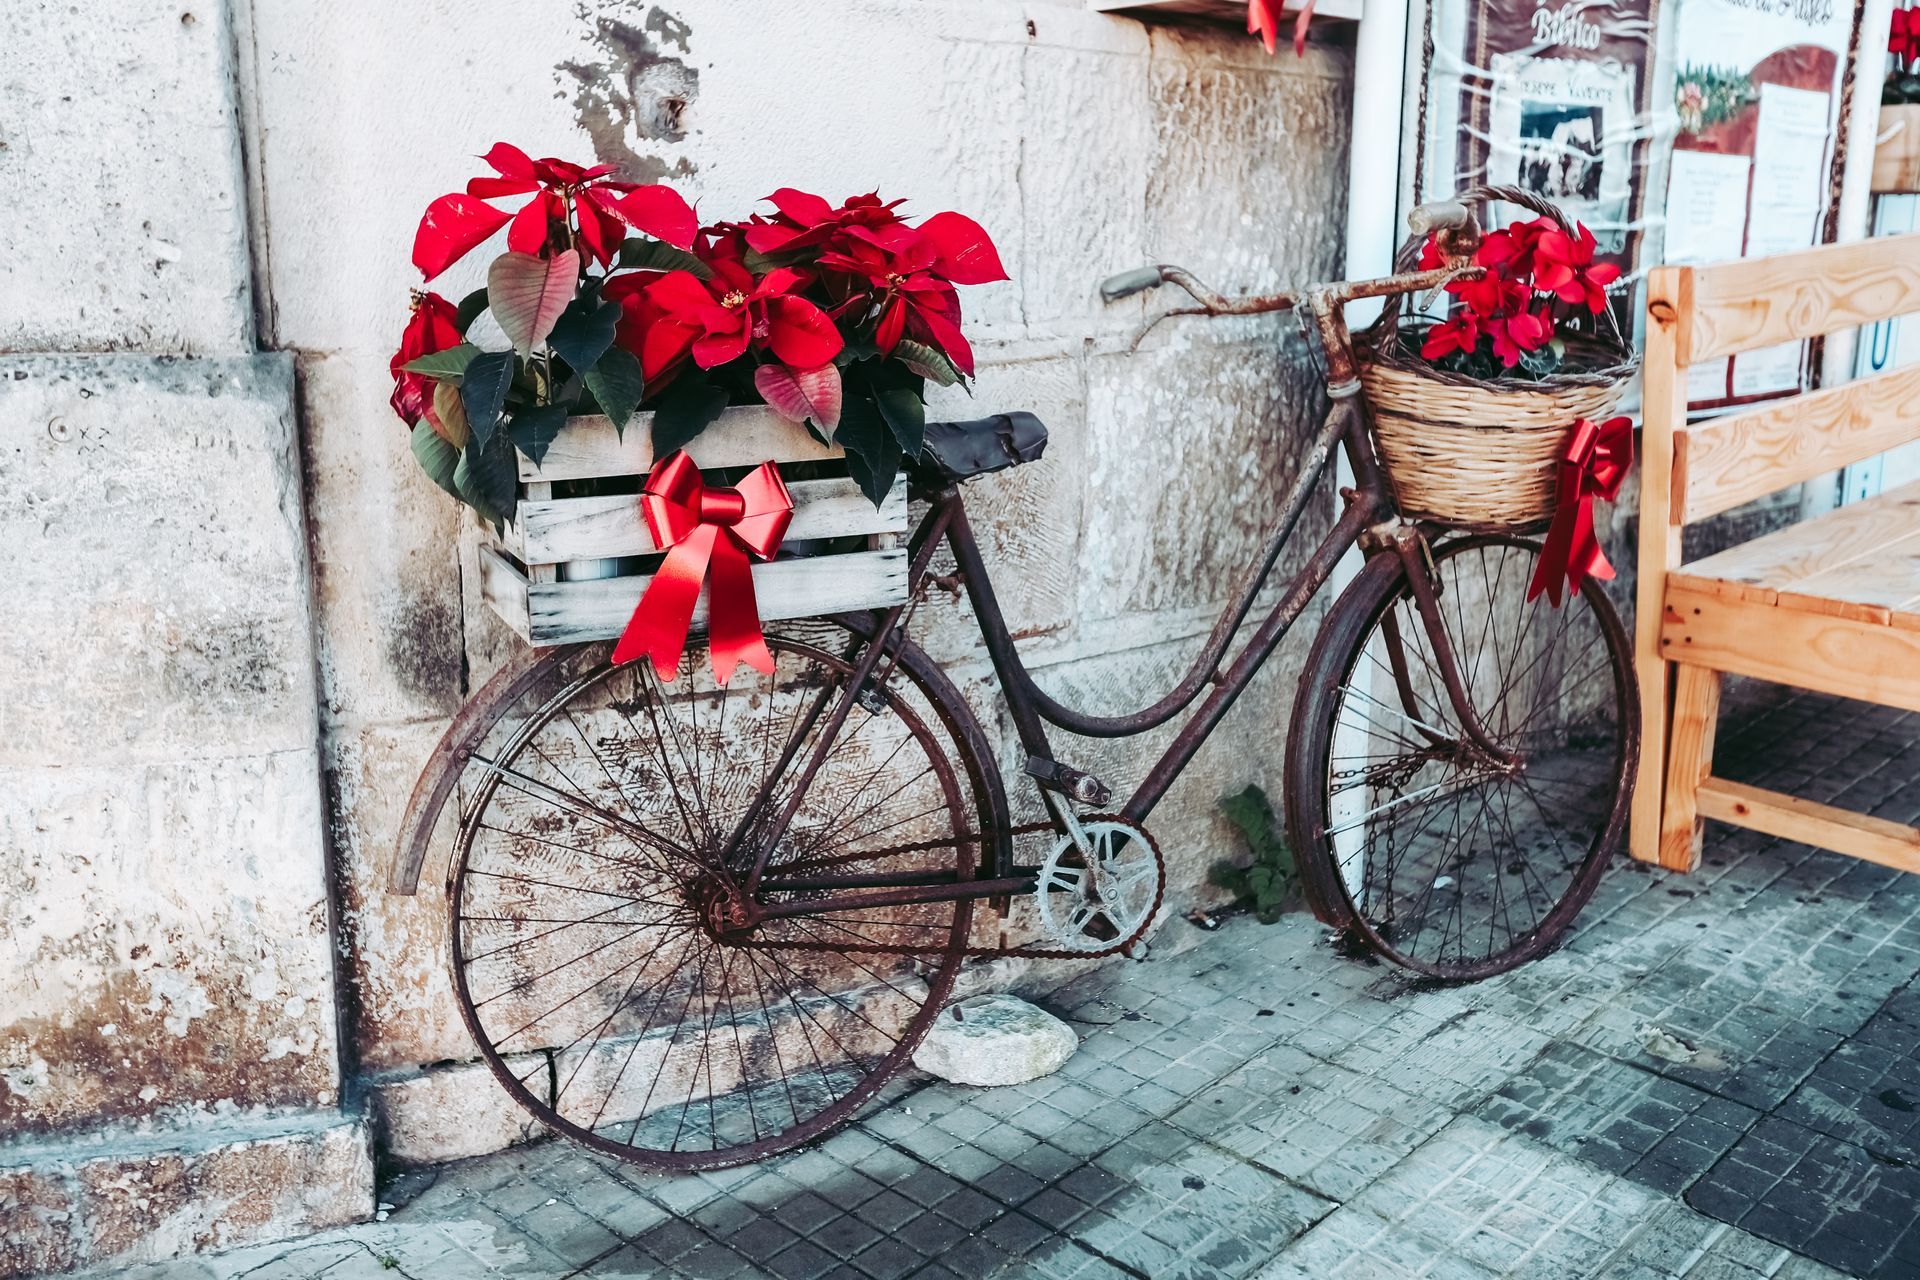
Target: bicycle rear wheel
597, 952
1432, 852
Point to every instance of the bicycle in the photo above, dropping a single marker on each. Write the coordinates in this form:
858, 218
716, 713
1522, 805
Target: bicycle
692, 925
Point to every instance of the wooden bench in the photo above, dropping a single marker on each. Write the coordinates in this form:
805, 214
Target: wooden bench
1830, 604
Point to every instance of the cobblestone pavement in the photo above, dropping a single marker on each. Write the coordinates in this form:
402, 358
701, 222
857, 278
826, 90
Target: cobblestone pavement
1717, 1079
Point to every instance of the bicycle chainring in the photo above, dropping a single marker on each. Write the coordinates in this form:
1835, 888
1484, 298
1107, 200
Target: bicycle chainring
1101, 895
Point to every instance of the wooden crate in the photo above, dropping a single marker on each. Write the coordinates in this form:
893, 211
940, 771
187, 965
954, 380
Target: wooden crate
521, 575
1896, 152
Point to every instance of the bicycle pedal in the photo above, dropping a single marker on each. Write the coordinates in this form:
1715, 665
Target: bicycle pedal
871, 700
1075, 784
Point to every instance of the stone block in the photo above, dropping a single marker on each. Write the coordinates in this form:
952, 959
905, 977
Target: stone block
448, 1113
995, 1040
120, 166
122, 1200
394, 947
386, 562
163, 941
158, 609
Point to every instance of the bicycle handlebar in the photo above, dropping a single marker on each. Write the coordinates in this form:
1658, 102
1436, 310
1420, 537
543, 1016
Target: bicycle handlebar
1128, 283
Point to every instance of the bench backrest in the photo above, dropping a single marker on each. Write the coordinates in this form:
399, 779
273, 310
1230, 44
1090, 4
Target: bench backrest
1696, 314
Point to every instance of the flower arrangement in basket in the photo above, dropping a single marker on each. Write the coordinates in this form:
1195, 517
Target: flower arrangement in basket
1498, 415
794, 346
1903, 47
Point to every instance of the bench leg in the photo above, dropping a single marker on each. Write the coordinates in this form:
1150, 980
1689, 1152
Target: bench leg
1650, 782
1696, 713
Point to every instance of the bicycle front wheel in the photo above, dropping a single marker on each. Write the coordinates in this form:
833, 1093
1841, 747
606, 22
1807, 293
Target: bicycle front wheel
1446, 858
603, 954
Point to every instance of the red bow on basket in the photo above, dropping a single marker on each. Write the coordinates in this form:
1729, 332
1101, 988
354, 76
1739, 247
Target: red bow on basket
1593, 464
706, 529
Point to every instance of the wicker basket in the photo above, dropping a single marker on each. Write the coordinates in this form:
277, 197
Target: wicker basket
1479, 453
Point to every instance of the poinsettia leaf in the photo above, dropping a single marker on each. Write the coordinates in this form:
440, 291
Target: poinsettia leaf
484, 391
661, 212
927, 361
436, 457
799, 395
527, 294
687, 409
453, 226
450, 363
487, 477
657, 255
617, 384
967, 255
584, 331
469, 310
534, 427
448, 414
906, 416
873, 455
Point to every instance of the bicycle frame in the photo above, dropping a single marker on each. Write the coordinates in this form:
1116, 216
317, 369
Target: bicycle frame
1364, 523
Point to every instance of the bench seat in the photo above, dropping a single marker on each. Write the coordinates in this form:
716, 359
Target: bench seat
1860, 562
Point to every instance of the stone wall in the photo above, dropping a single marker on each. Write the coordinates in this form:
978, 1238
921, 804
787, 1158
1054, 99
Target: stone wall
245, 621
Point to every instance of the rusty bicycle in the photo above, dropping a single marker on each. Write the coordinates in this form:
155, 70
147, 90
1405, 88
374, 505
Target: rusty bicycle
692, 925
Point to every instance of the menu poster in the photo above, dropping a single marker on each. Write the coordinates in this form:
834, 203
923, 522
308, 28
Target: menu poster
1550, 96
1758, 101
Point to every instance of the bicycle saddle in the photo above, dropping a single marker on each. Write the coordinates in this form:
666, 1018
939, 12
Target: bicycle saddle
956, 451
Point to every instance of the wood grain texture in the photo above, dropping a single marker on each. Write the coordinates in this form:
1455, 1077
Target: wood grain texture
1758, 302
1858, 835
1843, 656
1696, 716
1664, 400
1719, 465
1896, 151
504, 587
742, 437
563, 529
575, 612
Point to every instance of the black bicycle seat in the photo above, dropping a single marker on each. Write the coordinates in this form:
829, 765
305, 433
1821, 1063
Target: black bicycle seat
956, 451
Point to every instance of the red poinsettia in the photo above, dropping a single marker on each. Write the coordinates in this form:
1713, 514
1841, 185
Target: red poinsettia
1903, 40
719, 319
806, 220
1564, 266
432, 327
592, 198
1507, 305
1263, 20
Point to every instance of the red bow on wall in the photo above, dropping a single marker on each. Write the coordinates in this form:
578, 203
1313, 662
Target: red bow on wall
706, 530
1593, 464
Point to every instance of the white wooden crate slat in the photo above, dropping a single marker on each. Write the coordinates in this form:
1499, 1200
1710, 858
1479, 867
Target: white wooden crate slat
561, 529
589, 446
577, 612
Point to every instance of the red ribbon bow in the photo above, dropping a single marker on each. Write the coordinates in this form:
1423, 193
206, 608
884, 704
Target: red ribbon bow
706, 529
1593, 464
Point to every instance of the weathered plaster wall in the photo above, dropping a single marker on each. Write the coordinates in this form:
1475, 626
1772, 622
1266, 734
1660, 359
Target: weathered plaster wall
1087, 144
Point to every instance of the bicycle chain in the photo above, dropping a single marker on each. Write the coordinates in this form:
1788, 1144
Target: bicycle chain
1028, 952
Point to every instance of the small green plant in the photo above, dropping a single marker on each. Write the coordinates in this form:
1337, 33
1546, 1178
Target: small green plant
1269, 880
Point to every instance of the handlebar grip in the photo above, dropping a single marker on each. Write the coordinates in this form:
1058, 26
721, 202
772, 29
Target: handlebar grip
1441, 215
1128, 283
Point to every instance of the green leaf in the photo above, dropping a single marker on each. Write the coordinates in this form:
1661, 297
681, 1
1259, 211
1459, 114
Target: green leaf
616, 382
657, 255
906, 415
687, 409
436, 457
528, 293
873, 455
929, 362
1269, 881
485, 391
534, 427
450, 363
584, 332
487, 477
469, 310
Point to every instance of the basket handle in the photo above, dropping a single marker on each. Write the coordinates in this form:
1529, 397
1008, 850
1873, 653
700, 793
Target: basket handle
1475, 197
